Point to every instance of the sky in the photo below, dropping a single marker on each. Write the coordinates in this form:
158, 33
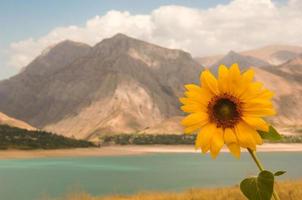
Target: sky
201, 27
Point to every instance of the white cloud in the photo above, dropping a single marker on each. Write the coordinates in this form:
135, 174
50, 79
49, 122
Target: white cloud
239, 25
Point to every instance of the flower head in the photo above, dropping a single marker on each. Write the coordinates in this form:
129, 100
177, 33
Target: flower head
228, 110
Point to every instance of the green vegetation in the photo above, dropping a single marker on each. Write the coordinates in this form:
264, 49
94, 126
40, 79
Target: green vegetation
16, 138
299, 130
144, 139
289, 139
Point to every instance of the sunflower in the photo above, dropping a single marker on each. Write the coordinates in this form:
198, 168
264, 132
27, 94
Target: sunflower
228, 110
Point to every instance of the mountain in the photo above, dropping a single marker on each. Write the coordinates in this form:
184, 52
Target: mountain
167, 126
243, 61
125, 85
286, 82
29, 95
208, 61
292, 68
120, 85
6, 120
272, 54
275, 54
55, 58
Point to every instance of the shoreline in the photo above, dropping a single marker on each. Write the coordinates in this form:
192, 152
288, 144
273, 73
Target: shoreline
130, 150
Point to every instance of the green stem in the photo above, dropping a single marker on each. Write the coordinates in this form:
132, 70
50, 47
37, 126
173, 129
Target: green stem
261, 168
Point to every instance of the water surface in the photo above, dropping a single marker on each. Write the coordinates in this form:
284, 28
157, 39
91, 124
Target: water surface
31, 179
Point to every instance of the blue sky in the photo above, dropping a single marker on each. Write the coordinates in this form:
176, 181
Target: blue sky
20, 20
33, 18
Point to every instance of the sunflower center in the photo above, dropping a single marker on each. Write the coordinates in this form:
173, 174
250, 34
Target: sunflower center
224, 110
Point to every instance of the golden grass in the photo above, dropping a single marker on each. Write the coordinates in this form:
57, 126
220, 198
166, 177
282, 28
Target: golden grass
289, 190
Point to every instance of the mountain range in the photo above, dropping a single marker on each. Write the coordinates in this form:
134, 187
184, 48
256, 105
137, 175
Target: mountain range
272, 54
119, 85
125, 85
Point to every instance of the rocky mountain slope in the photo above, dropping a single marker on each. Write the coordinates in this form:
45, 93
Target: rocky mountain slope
124, 85
6, 120
243, 61
286, 81
119, 85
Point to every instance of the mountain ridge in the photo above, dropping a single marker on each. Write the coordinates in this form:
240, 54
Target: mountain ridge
243, 61
136, 81
269, 53
126, 85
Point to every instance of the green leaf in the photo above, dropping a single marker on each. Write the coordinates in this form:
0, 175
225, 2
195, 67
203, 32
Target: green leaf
272, 134
279, 173
258, 188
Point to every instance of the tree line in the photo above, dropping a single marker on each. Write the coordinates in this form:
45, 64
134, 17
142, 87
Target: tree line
16, 138
168, 139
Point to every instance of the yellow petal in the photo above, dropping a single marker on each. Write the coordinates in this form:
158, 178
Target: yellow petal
235, 72
204, 137
258, 108
209, 81
257, 123
201, 98
223, 75
242, 83
257, 102
257, 137
187, 101
234, 149
217, 142
193, 108
223, 72
248, 76
252, 91
229, 136
195, 118
244, 135
193, 87
236, 85
259, 112
194, 96
191, 129
265, 94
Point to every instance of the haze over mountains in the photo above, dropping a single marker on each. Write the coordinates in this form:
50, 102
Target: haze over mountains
126, 85
272, 54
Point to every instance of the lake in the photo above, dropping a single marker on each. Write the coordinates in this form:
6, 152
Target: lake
31, 179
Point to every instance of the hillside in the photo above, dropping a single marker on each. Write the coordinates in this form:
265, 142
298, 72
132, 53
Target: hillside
286, 81
16, 138
120, 85
243, 61
6, 120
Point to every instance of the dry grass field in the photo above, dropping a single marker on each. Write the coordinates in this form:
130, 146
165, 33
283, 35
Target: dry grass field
289, 190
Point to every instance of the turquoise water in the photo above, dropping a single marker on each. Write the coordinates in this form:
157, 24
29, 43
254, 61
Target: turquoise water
32, 179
